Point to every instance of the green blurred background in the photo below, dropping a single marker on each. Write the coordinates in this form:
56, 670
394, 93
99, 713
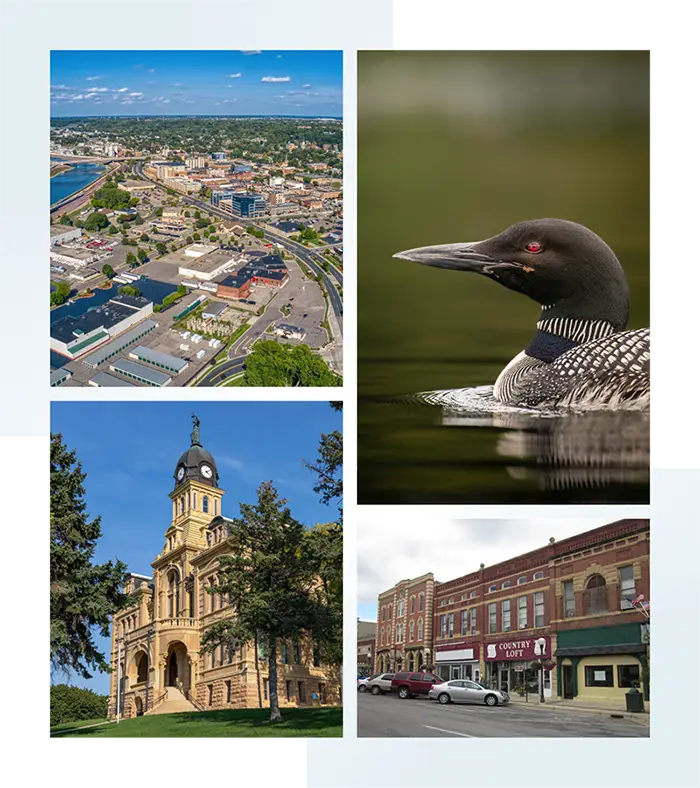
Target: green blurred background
456, 146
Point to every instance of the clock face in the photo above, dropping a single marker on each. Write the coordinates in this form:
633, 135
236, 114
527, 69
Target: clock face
206, 471
180, 473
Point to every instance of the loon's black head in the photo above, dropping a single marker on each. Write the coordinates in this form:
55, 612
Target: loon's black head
562, 265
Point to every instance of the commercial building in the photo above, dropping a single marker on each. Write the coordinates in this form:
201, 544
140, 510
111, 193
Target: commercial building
157, 650
580, 596
75, 336
181, 184
195, 162
235, 286
140, 373
213, 310
404, 625
244, 204
208, 266
197, 250
218, 156
119, 343
164, 361
60, 234
59, 376
136, 186
104, 379
75, 258
366, 642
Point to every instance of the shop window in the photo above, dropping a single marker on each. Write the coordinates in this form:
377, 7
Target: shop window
596, 595
599, 676
493, 624
628, 676
569, 599
628, 591
505, 615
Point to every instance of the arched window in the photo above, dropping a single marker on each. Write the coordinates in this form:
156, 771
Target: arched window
506, 584
420, 629
421, 602
493, 588
411, 631
538, 576
522, 580
596, 595
381, 637
141, 668
472, 595
205, 504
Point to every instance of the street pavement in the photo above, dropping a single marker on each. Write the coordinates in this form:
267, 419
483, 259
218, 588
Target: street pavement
388, 716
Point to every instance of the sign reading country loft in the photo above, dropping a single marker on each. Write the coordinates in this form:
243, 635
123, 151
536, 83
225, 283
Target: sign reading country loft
522, 649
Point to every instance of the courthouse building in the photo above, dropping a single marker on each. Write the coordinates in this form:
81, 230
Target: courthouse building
156, 660
577, 594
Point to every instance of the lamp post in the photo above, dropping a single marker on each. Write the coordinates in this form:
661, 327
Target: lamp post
540, 648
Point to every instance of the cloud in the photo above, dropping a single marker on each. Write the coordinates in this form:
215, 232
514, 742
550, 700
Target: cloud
151, 71
136, 95
78, 97
128, 101
276, 79
251, 51
60, 87
90, 95
92, 79
470, 543
235, 76
121, 90
306, 86
166, 101
99, 90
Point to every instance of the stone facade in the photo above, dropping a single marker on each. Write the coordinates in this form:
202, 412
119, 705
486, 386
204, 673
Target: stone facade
156, 641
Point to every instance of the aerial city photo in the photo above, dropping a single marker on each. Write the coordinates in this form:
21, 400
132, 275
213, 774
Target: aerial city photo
196, 218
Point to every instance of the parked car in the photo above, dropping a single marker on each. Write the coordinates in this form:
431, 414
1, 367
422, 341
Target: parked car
411, 685
465, 691
380, 683
362, 684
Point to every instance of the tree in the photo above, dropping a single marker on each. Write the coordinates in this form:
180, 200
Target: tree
107, 270
269, 581
83, 595
196, 236
130, 290
96, 221
188, 240
61, 294
112, 230
158, 211
142, 255
131, 260
157, 307
144, 237
71, 704
186, 214
200, 223
274, 364
161, 248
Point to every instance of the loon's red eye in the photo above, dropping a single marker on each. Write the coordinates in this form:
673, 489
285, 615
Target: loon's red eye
534, 247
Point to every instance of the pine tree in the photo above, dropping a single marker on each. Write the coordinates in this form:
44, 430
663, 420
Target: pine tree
83, 595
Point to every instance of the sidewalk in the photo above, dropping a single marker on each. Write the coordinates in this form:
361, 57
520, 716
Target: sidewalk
605, 709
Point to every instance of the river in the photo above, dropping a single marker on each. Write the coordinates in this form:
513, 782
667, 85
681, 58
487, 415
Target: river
73, 180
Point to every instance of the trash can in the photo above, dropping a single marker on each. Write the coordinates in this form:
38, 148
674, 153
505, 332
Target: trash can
635, 700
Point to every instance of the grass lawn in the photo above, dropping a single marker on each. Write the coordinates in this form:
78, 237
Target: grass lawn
69, 726
241, 723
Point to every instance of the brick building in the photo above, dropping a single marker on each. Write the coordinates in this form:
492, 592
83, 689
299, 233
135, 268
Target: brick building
404, 630
157, 658
576, 594
366, 642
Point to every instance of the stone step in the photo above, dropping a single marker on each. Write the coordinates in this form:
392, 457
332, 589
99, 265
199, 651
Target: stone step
174, 702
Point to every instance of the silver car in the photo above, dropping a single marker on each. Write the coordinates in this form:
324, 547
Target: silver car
465, 691
380, 683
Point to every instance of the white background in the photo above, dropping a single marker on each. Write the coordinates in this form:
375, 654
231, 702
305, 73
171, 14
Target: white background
29, 31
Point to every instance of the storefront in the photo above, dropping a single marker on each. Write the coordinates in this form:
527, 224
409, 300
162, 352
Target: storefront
603, 663
457, 661
514, 664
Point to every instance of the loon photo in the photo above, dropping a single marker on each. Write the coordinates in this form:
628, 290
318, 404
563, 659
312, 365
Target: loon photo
537, 391
580, 355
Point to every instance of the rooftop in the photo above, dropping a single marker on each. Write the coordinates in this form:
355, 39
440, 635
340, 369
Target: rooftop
158, 359
105, 380
67, 329
140, 371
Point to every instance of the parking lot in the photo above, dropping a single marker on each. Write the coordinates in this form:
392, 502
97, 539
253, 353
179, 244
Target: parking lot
388, 716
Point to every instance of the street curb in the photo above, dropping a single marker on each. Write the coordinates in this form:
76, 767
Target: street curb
642, 718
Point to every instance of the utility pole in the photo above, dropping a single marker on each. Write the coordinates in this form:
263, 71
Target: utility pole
540, 647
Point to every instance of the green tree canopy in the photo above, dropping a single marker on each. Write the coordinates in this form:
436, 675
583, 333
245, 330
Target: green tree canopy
83, 595
96, 221
112, 197
107, 270
274, 364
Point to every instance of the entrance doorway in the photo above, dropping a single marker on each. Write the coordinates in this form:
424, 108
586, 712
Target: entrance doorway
568, 681
504, 680
172, 670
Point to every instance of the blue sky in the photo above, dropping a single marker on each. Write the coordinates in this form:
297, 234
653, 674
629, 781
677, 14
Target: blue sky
133, 82
129, 451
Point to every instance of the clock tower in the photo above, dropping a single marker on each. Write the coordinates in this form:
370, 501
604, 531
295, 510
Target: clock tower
196, 496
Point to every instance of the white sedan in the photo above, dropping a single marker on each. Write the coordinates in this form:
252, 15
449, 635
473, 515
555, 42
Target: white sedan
465, 691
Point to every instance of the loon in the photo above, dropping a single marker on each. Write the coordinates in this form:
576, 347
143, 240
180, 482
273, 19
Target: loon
581, 356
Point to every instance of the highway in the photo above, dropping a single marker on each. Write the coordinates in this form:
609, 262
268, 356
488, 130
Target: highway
302, 252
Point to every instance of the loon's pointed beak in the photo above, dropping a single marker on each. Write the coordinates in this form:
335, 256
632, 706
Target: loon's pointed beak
459, 257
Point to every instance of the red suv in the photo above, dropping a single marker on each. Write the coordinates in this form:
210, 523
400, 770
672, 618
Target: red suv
410, 685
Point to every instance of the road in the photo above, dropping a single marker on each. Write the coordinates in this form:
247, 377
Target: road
231, 367
388, 716
304, 254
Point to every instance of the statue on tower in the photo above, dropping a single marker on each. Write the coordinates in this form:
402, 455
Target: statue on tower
195, 430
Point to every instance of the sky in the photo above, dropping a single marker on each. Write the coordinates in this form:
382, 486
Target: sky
129, 451
209, 82
446, 547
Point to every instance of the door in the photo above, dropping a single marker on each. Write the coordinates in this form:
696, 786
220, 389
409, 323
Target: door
568, 680
503, 682
457, 691
172, 670
473, 693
